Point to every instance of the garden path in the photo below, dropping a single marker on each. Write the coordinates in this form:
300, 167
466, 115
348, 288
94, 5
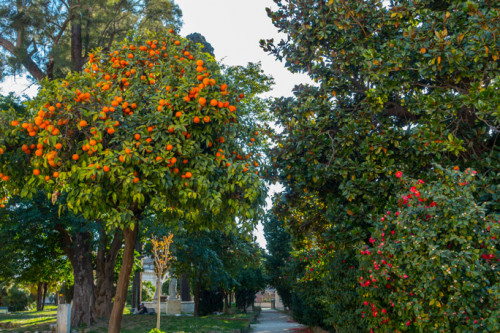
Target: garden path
271, 321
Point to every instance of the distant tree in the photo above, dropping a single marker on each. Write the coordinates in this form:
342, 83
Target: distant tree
50, 38
31, 253
199, 38
250, 280
279, 249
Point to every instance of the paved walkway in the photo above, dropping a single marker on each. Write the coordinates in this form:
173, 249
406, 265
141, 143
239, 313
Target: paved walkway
271, 321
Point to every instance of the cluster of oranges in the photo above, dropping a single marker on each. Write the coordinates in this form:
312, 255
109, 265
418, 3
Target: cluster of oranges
166, 91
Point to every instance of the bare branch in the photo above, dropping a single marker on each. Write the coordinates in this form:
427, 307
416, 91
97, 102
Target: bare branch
25, 59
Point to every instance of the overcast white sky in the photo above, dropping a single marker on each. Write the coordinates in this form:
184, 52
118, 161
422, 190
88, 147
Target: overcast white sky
233, 28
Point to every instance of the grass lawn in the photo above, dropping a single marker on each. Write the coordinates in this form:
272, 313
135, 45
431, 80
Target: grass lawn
28, 320
38, 321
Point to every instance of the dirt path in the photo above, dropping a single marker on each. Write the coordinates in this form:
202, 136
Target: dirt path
271, 321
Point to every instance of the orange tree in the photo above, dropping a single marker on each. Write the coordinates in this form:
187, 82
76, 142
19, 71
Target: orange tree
150, 124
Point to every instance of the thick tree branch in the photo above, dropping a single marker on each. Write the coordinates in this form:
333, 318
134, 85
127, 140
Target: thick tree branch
23, 57
115, 246
67, 242
63, 28
394, 109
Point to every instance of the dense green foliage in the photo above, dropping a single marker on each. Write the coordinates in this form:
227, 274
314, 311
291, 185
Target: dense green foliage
216, 264
250, 280
31, 249
279, 250
433, 264
399, 86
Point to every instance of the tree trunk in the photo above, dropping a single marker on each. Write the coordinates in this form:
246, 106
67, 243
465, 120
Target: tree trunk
158, 301
115, 320
104, 291
137, 282
105, 272
136, 290
76, 44
82, 311
185, 290
39, 292
226, 302
197, 295
45, 287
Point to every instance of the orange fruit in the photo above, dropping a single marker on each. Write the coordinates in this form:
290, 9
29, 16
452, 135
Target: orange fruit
105, 168
75, 157
196, 119
199, 63
206, 119
36, 172
137, 136
214, 102
189, 174
136, 180
169, 147
202, 101
83, 123
111, 130
56, 174
14, 123
58, 145
121, 158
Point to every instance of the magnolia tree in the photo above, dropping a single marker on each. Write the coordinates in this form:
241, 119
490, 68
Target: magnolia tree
150, 124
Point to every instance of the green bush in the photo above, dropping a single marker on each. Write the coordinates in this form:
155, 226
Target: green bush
155, 330
17, 299
325, 292
432, 265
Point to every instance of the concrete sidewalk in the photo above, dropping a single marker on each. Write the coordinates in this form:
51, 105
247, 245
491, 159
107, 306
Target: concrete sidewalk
270, 321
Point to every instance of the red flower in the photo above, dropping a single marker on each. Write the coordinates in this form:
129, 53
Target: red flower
399, 174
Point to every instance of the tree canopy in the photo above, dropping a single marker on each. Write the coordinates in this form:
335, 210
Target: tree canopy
399, 86
150, 124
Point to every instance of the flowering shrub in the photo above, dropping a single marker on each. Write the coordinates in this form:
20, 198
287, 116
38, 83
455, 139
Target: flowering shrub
432, 263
